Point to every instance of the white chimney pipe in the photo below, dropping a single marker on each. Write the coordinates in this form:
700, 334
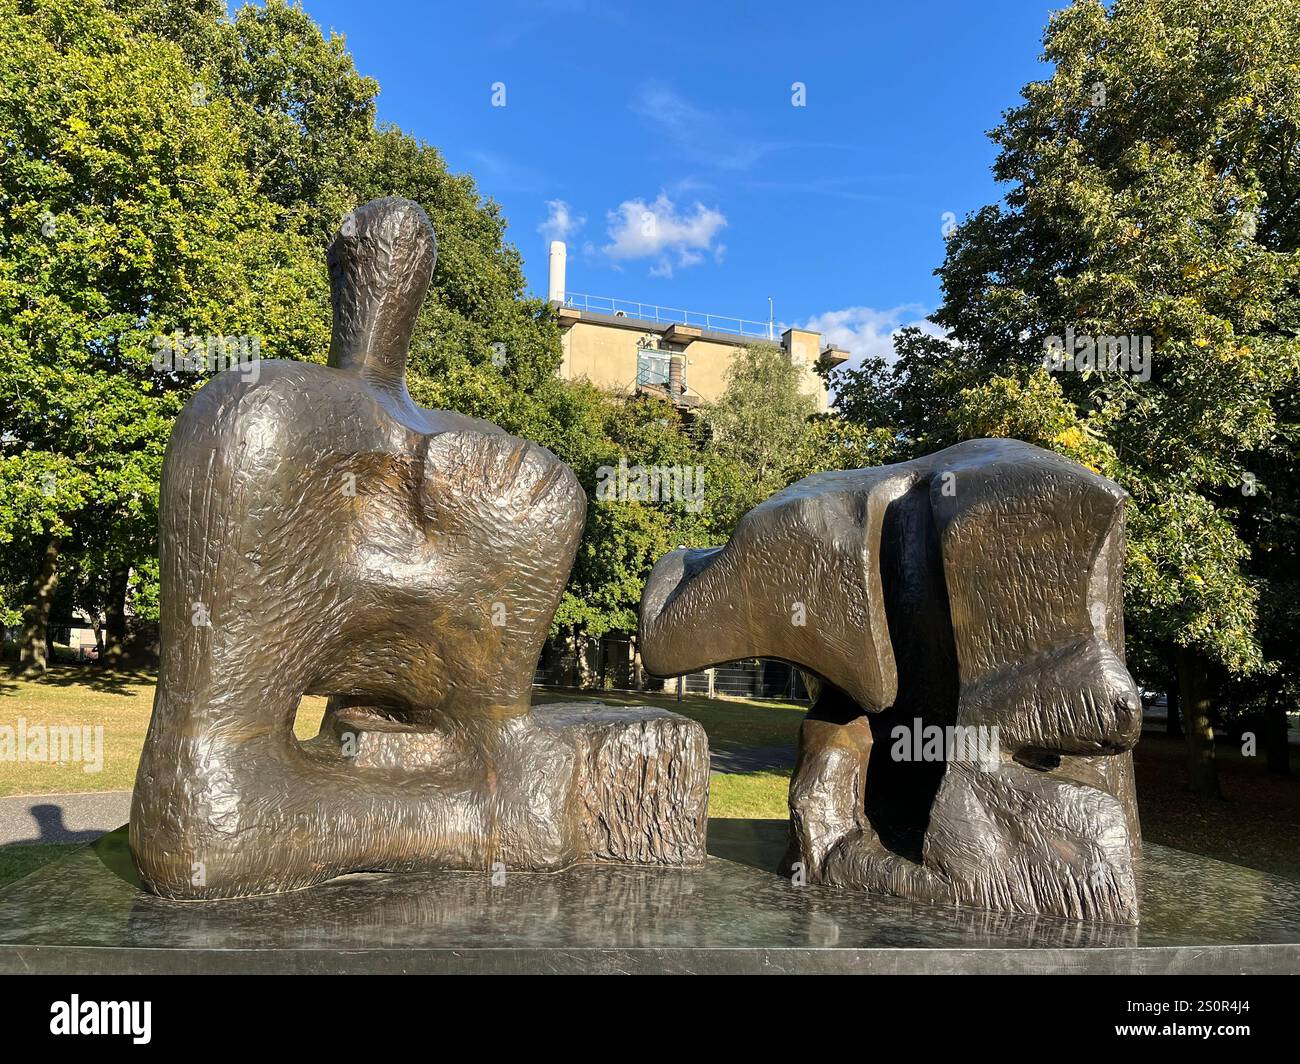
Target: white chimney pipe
556, 293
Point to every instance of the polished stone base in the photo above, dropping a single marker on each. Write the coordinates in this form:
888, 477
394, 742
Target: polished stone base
85, 914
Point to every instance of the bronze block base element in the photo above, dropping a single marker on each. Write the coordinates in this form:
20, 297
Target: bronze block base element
635, 782
320, 533
970, 598
565, 784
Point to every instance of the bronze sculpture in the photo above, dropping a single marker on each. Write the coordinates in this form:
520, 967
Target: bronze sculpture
978, 588
320, 533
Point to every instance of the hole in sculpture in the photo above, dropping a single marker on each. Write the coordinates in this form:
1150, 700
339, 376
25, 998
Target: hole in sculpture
368, 732
309, 717
323, 721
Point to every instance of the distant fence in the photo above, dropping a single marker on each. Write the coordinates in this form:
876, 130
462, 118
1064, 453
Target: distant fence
630, 308
610, 665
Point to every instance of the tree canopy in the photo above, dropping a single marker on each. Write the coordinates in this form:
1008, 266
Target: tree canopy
1153, 196
126, 219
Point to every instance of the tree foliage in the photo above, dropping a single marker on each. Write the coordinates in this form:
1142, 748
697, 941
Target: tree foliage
125, 218
1153, 191
762, 418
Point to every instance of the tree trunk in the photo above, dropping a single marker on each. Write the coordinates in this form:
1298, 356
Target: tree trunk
1276, 744
575, 672
638, 673
1174, 720
1194, 697
119, 581
586, 666
33, 645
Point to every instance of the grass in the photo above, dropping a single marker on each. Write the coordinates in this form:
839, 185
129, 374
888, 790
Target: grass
121, 703
82, 695
85, 696
731, 722
750, 795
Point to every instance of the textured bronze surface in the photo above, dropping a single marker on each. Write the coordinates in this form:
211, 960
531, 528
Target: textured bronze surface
320, 533
979, 587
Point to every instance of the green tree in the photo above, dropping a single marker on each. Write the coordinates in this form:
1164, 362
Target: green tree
762, 419
306, 115
1270, 523
195, 165
481, 344
126, 218
1152, 191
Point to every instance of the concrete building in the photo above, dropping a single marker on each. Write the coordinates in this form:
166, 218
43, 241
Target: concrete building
629, 348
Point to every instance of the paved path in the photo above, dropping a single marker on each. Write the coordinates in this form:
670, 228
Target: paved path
62, 817
751, 758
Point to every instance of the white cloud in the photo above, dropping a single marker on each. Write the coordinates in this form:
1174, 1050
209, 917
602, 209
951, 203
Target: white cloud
865, 331
561, 223
659, 231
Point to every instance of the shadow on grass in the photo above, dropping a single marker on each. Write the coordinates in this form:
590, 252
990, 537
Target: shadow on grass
94, 677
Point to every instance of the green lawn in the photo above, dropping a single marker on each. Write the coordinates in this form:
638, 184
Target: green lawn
82, 695
729, 722
750, 795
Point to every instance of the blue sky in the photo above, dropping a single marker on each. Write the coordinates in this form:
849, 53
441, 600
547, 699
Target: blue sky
835, 209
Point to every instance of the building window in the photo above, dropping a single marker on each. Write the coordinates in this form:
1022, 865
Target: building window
652, 366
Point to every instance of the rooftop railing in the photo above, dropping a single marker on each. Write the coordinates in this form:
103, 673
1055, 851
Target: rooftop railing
628, 308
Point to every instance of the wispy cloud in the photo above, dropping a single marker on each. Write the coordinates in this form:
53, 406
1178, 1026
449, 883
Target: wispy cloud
525, 24
707, 138
866, 332
660, 231
494, 171
847, 187
561, 223
725, 141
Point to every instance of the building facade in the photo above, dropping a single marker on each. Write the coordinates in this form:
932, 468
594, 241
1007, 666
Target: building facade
629, 348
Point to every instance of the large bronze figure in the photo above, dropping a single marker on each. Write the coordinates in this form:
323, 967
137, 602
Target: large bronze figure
960, 617
320, 533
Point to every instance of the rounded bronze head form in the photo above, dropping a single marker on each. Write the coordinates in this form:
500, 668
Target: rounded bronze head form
380, 263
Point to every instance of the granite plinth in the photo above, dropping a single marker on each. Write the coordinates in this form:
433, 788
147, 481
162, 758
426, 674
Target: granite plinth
87, 914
